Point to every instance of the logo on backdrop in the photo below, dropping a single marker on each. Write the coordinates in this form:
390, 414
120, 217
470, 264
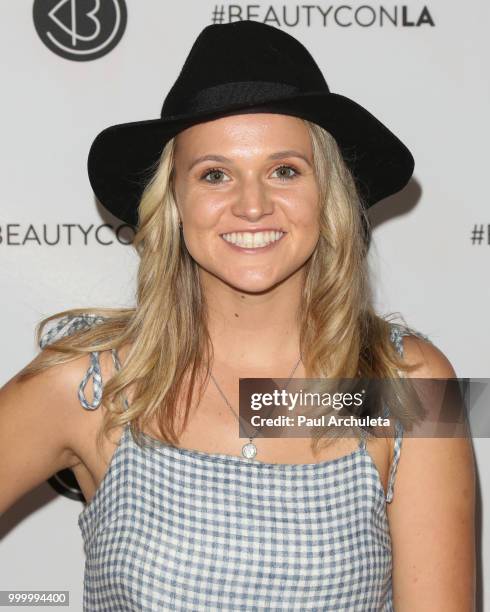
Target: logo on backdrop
80, 30
480, 234
325, 15
65, 234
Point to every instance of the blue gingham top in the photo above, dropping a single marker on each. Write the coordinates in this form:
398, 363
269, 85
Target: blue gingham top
184, 530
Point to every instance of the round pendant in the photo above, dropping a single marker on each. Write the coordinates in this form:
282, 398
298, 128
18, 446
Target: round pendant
249, 450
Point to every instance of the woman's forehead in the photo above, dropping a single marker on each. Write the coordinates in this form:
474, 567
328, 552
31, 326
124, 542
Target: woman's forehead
246, 129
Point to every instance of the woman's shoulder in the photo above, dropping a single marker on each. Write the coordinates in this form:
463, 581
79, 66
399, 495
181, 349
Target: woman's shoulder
43, 427
92, 368
74, 387
429, 360
61, 386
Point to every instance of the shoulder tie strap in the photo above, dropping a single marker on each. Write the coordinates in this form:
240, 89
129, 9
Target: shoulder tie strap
75, 323
397, 445
396, 335
65, 327
362, 439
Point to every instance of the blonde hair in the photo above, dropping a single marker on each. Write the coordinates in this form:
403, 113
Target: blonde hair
341, 336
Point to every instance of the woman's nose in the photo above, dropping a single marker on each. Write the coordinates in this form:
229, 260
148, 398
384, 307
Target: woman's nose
253, 199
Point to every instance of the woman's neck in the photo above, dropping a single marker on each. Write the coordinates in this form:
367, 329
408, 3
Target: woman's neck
254, 330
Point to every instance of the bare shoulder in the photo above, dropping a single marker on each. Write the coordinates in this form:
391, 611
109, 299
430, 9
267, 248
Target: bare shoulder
432, 513
45, 402
88, 422
431, 362
41, 422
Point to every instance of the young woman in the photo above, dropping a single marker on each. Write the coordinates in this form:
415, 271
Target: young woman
249, 197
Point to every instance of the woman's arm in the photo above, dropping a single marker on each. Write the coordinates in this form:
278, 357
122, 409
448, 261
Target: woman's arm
39, 423
432, 512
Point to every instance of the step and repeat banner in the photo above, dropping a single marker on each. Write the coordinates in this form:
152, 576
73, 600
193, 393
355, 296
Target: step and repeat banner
73, 67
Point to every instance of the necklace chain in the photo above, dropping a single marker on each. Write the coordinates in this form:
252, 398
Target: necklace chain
249, 450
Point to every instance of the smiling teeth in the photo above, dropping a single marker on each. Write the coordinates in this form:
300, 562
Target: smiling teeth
252, 240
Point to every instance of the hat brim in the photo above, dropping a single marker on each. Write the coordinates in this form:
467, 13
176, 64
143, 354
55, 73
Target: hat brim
122, 157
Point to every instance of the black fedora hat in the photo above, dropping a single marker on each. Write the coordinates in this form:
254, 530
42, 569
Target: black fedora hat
246, 66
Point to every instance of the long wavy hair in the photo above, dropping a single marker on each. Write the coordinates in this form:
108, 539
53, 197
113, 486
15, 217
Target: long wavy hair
170, 352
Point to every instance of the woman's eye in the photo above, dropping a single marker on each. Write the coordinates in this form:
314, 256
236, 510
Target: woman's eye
286, 172
215, 175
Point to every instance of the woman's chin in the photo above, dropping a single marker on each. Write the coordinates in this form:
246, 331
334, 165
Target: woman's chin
253, 285
246, 279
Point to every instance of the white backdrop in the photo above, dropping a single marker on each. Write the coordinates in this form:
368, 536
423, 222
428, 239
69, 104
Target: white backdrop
429, 84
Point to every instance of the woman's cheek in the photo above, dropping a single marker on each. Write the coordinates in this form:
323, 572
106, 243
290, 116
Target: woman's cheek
199, 206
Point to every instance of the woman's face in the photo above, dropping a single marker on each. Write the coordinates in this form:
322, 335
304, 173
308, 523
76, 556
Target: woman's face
238, 181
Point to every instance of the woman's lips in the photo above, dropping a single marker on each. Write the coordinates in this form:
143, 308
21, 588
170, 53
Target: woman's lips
253, 251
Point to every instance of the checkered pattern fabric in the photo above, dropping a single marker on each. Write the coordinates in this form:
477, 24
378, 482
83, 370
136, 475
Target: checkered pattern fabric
183, 530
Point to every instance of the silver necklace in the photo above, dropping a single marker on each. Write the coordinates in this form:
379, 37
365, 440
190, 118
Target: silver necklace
249, 450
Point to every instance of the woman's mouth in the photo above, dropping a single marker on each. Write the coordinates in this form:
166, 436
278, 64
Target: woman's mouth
252, 242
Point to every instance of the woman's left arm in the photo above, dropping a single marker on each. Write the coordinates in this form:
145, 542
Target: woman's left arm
433, 510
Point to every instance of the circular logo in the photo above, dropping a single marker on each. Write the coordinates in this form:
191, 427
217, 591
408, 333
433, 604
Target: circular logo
80, 30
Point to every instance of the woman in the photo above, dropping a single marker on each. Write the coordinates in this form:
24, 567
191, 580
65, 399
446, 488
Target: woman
249, 198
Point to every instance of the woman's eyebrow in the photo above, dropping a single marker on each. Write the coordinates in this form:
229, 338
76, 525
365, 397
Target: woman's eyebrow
224, 160
289, 153
216, 158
